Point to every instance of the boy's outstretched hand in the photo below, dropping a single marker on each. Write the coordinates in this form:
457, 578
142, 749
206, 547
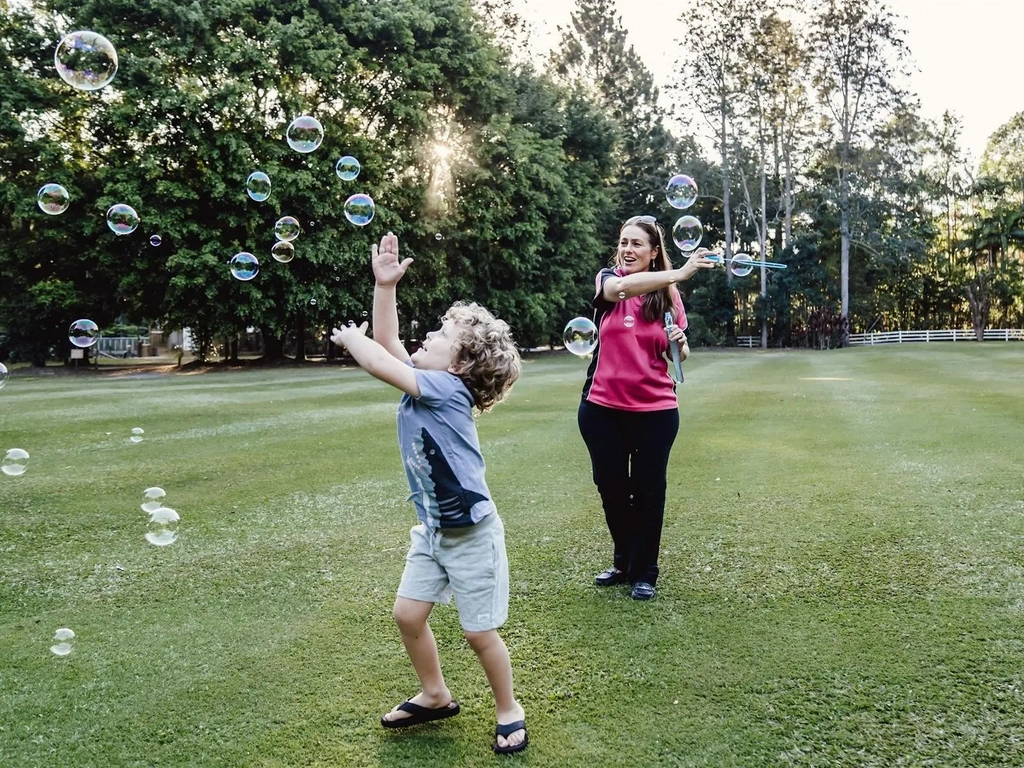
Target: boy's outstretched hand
387, 270
342, 336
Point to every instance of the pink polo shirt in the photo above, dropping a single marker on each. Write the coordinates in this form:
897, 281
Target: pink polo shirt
629, 371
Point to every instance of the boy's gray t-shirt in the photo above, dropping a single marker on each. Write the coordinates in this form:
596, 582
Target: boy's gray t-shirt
441, 452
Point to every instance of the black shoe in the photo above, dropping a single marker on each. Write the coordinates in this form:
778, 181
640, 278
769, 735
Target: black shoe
642, 591
610, 578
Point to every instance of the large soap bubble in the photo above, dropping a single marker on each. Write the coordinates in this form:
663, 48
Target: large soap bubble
681, 191
83, 333
52, 199
244, 266
580, 336
305, 134
359, 209
85, 60
741, 264
687, 233
257, 186
122, 219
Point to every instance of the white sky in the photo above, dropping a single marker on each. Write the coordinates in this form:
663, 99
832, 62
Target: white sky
966, 53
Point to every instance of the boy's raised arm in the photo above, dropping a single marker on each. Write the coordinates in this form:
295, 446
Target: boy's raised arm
387, 271
375, 359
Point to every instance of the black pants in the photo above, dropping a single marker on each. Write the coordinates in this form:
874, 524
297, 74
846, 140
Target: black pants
629, 453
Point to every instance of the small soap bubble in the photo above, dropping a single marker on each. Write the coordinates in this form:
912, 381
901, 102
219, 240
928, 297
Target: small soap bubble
359, 209
628, 321
687, 233
365, 314
437, 236
85, 60
244, 266
305, 134
287, 228
63, 642
283, 251
162, 527
622, 295
681, 191
15, 462
741, 264
257, 186
580, 336
83, 333
347, 168
137, 433
312, 302
155, 240
4, 374
153, 499
122, 219
52, 199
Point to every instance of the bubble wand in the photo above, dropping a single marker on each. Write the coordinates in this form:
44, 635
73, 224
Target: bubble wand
674, 345
717, 258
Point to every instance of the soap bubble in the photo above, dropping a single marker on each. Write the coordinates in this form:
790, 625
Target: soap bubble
163, 527
741, 264
153, 499
84, 333
629, 321
257, 186
122, 219
687, 233
347, 168
312, 302
137, 433
305, 134
4, 373
63, 642
681, 191
359, 209
85, 60
244, 266
437, 236
580, 336
155, 240
283, 251
15, 462
287, 228
52, 199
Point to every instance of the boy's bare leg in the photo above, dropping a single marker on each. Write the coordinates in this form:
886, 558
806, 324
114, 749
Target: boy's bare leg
411, 617
490, 649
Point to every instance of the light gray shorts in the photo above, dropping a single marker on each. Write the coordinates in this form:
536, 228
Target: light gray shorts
468, 562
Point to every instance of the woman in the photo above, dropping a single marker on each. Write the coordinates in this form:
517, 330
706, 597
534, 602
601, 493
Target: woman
629, 415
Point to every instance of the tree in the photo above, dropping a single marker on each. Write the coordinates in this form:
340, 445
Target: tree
859, 53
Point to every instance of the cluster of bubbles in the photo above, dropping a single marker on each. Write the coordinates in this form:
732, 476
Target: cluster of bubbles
162, 528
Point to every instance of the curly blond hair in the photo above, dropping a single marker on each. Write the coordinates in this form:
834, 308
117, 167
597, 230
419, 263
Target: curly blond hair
486, 358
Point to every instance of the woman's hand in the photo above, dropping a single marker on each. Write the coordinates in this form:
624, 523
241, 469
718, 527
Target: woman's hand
387, 270
697, 260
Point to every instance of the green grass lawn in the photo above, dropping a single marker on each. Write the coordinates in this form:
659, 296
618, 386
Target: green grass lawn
842, 571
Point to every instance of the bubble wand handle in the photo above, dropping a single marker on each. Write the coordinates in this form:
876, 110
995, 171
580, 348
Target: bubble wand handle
716, 257
674, 345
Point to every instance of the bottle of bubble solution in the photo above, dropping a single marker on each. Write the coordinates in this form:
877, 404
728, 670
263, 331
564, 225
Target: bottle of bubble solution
676, 369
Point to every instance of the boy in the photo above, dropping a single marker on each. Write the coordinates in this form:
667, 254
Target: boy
459, 544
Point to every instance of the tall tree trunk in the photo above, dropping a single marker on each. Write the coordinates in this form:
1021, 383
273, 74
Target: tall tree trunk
844, 250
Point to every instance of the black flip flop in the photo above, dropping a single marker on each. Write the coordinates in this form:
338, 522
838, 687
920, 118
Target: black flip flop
506, 730
419, 715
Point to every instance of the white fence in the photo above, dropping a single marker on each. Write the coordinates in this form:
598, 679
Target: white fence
898, 337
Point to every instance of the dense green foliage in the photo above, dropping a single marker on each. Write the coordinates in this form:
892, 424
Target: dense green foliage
506, 182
